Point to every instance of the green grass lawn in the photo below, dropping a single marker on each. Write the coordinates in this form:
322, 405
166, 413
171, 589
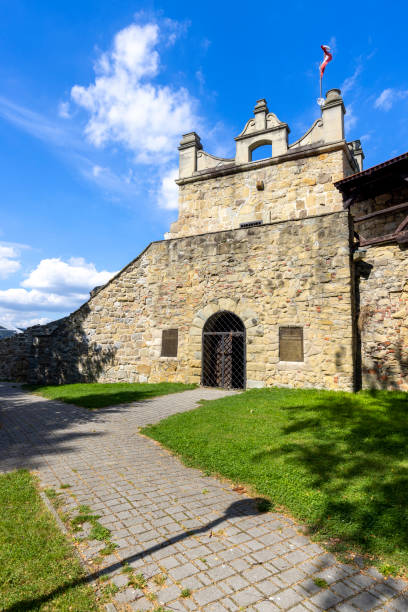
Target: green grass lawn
336, 461
38, 568
101, 395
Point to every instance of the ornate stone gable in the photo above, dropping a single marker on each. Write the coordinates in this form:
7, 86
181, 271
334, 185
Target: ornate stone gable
295, 182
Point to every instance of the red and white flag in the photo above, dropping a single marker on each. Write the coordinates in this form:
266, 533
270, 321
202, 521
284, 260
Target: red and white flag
326, 59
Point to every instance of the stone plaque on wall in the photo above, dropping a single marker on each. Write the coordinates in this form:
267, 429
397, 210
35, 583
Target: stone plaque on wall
169, 343
291, 344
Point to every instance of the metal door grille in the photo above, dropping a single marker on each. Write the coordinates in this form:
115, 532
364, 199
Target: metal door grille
223, 363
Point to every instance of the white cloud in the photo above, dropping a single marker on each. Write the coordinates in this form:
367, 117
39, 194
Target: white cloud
21, 299
23, 323
54, 286
350, 119
168, 194
127, 107
11, 319
388, 97
349, 83
8, 262
73, 276
63, 110
37, 125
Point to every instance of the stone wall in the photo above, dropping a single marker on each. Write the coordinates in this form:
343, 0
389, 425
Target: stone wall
287, 273
383, 297
292, 189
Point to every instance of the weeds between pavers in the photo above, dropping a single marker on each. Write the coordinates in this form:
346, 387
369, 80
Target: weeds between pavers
321, 583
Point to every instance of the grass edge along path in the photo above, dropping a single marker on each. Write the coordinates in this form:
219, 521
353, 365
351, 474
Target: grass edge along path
39, 569
103, 395
335, 461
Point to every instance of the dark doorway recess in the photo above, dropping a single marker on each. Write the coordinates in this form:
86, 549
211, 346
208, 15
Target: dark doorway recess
223, 362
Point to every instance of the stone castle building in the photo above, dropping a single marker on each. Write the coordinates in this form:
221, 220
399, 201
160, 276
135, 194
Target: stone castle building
284, 271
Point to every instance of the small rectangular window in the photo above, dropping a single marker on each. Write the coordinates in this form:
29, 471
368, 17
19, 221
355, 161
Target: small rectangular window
250, 223
169, 343
291, 344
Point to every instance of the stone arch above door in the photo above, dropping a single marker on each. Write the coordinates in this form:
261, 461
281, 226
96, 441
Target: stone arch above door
249, 318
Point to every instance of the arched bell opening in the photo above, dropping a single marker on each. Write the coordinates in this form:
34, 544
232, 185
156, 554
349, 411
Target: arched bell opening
262, 149
223, 353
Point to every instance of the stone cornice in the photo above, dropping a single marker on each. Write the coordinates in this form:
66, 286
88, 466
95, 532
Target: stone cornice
300, 153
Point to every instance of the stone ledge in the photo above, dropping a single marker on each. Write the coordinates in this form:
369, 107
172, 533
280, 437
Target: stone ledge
307, 151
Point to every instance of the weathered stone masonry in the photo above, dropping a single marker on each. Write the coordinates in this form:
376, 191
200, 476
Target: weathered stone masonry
279, 274
299, 266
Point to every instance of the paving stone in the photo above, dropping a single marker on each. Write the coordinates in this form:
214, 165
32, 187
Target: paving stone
267, 587
208, 594
365, 601
216, 607
266, 606
286, 599
182, 571
169, 593
396, 585
128, 595
382, 591
343, 589
326, 599
362, 581
142, 604
292, 575
120, 580
265, 554
309, 586
296, 557
146, 495
193, 582
220, 572
247, 596
400, 604
256, 574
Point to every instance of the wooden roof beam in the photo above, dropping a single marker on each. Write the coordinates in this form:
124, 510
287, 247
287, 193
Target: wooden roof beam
383, 211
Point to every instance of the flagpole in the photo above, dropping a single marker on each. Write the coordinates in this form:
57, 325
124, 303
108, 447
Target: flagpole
327, 58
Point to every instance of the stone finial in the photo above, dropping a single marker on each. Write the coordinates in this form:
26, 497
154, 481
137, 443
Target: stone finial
333, 95
333, 112
189, 145
260, 106
260, 111
357, 152
191, 139
264, 128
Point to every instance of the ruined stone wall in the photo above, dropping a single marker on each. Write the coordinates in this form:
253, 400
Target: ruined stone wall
288, 273
14, 355
293, 189
383, 297
383, 224
383, 318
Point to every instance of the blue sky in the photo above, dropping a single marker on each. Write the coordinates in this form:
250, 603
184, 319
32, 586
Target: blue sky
94, 97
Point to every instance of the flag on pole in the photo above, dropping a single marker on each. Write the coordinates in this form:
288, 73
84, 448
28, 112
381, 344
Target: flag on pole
326, 59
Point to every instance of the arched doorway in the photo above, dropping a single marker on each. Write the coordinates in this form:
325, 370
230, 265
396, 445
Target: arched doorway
223, 360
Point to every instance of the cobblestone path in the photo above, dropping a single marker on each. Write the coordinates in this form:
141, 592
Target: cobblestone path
172, 520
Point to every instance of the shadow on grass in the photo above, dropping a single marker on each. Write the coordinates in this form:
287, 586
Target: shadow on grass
103, 395
353, 453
